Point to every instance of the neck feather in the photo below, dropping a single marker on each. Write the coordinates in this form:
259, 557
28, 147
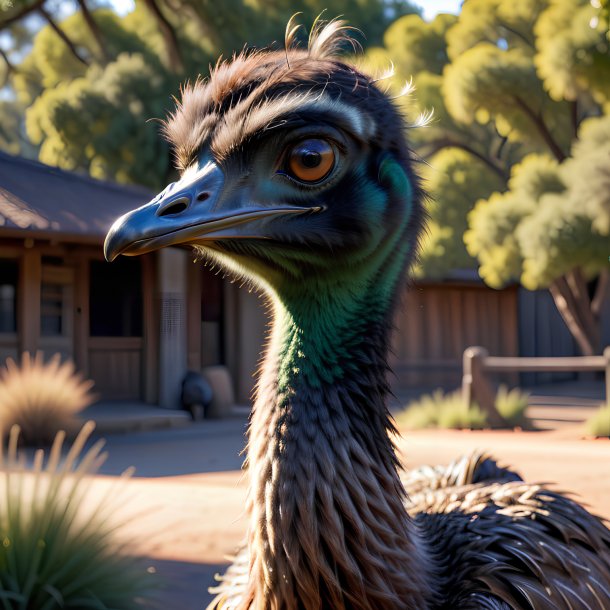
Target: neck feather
328, 523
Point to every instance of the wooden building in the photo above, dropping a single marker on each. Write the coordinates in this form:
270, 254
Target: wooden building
135, 326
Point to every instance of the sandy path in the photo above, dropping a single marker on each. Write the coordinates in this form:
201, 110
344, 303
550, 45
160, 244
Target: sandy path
187, 524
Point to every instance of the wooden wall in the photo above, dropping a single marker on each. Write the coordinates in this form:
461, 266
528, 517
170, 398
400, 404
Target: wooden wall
542, 332
115, 364
436, 322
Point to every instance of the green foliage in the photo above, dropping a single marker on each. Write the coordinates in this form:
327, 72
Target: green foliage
511, 405
487, 83
492, 235
554, 217
99, 122
558, 237
439, 410
60, 547
456, 180
11, 119
41, 398
506, 23
426, 48
599, 423
573, 51
587, 173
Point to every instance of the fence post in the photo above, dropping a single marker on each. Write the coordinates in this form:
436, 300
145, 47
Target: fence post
607, 357
477, 388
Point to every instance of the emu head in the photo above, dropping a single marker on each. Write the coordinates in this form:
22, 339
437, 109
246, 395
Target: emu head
293, 165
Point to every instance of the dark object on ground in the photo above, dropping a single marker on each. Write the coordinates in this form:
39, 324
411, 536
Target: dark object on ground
196, 395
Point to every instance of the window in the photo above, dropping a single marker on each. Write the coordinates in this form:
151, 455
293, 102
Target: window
56, 300
115, 298
52, 309
9, 271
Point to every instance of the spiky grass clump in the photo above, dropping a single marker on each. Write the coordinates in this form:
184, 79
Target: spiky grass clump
511, 405
440, 410
41, 398
599, 423
58, 546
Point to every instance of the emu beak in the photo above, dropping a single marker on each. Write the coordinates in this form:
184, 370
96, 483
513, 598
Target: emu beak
190, 211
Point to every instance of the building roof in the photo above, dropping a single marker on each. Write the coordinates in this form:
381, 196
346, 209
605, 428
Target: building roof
38, 200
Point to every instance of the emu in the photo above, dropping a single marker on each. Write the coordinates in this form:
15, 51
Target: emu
296, 174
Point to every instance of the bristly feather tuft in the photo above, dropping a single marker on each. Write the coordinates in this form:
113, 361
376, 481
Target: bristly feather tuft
242, 90
327, 39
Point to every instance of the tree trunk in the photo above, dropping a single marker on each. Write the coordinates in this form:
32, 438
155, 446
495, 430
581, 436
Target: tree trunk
580, 291
71, 46
95, 30
172, 47
576, 309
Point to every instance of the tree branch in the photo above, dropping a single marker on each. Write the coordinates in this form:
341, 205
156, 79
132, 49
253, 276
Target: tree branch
574, 118
95, 30
10, 68
440, 144
543, 130
517, 34
170, 39
5, 22
601, 290
71, 46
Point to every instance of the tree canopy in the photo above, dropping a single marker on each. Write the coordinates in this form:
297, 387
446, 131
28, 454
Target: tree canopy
84, 85
517, 157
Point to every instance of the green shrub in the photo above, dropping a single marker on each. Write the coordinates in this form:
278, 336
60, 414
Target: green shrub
59, 547
511, 405
439, 410
599, 423
41, 398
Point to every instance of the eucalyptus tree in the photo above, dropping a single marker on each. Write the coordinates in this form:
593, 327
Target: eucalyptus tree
517, 89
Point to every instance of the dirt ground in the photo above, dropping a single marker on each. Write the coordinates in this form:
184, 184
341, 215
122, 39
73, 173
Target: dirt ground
186, 525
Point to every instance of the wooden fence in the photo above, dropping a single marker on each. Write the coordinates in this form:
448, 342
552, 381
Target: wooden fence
477, 364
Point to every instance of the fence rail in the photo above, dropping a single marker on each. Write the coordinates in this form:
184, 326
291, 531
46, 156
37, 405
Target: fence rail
477, 364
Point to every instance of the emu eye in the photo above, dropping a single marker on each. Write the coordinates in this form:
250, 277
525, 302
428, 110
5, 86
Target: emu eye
311, 160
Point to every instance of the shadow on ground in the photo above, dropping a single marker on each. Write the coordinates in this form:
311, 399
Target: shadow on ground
182, 585
208, 446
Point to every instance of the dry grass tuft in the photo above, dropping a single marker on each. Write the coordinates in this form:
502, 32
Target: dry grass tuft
41, 398
599, 423
439, 410
59, 544
511, 405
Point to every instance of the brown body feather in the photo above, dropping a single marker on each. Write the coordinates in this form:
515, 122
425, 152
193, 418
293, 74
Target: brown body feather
497, 545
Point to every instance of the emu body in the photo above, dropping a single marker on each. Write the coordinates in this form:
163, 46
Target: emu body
297, 176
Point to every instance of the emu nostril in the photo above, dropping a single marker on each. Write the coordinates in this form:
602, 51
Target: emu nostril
175, 207
203, 196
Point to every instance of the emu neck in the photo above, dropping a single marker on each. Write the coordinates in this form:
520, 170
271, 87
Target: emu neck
328, 524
